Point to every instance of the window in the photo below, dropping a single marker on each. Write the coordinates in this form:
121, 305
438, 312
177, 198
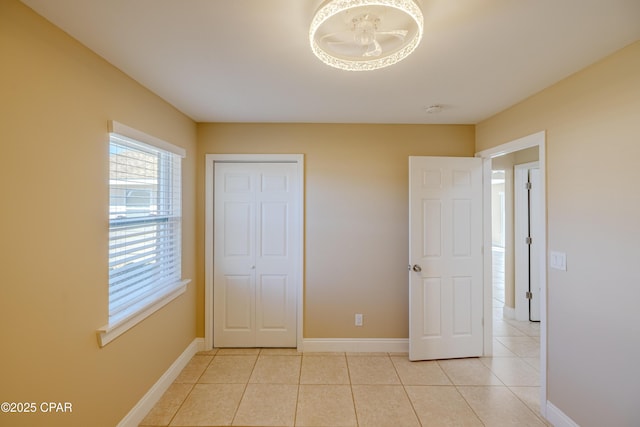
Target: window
144, 224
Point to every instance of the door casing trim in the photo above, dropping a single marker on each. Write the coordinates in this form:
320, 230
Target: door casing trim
211, 160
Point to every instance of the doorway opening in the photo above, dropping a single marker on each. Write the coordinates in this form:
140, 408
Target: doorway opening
505, 335
515, 234
498, 239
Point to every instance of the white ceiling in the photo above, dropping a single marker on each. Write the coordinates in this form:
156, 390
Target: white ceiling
250, 61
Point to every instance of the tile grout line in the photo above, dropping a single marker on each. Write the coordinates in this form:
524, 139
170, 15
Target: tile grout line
469, 404
353, 397
525, 404
193, 386
461, 395
404, 388
535, 338
295, 410
246, 385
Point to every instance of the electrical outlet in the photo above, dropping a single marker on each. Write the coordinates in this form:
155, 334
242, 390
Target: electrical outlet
358, 319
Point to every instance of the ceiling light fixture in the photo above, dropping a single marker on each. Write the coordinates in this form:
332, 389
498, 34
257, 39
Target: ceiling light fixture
360, 35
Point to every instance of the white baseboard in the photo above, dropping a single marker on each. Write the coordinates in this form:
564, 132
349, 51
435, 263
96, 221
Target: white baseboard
144, 405
356, 345
508, 312
558, 418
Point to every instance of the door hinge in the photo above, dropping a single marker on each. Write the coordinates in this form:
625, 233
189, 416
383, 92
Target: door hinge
528, 185
528, 240
528, 295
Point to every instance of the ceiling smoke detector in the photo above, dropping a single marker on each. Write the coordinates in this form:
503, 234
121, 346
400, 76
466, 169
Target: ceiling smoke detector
432, 109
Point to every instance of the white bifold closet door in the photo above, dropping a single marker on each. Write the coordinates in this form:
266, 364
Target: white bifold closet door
255, 254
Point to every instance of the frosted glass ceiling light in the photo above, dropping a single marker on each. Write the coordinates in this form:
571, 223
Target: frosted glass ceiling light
359, 35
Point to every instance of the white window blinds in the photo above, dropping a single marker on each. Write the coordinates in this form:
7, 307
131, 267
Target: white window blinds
144, 223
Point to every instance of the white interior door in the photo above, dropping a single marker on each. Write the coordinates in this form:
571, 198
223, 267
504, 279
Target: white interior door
255, 254
446, 264
535, 230
528, 232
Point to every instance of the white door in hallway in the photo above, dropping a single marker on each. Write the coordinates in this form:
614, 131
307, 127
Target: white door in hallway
256, 254
535, 230
445, 253
529, 227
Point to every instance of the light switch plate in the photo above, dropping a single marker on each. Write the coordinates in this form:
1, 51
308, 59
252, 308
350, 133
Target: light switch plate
558, 260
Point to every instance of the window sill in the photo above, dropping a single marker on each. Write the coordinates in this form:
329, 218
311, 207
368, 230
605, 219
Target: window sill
139, 312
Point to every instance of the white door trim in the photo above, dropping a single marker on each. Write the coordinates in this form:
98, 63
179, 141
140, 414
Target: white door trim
534, 140
211, 160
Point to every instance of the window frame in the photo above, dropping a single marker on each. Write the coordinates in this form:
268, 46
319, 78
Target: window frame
137, 311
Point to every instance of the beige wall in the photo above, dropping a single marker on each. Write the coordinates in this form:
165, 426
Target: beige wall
356, 222
592, 121
55, 99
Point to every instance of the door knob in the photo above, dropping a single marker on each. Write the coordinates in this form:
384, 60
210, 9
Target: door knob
416, 268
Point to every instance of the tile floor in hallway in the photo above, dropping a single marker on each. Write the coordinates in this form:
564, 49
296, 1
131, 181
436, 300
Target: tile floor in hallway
281, 387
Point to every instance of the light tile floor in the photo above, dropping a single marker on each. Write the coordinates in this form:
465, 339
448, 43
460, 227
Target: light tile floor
280, 387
